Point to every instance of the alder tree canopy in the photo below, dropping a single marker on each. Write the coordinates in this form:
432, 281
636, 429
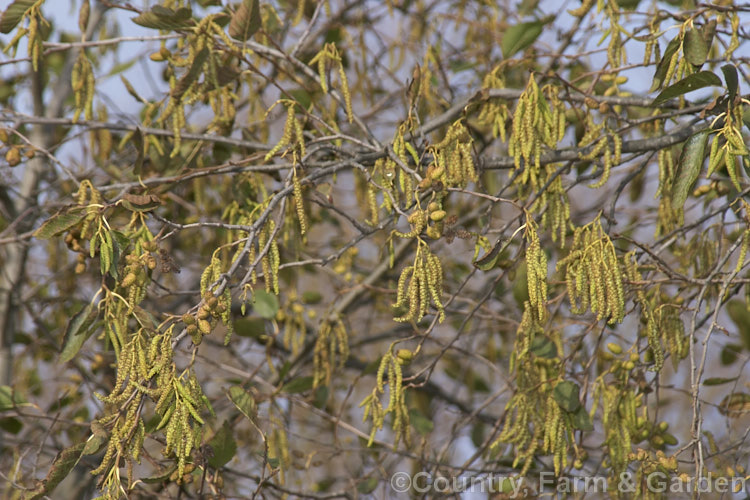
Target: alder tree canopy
280, 248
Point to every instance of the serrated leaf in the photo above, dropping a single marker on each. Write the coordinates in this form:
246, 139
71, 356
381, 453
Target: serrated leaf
61, 467
94, 444
688, 168
543, 347
567, 395
245, 21
192, 74
13, 14
265, 304
140, 202
695, 47
9, 398
581, 420
734, 404
297, 385
718, 380
106, 252
78, 331
224, 446
59, 223
731, 80
663, 66
695, 81
488, 261
164, 18
519, 37
243, 400
708, 31
121, 239
227, 75
117, 248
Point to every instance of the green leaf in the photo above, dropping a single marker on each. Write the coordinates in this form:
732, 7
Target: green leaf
628, 4
320, 396
719, 380
164, 18
738, 313
245, 21
695, 47
265, 304
663, 66
59, 223
688, 84
477, 434
371, 368
581, 420
489, 260
13, 14
422, 424
94, 444
224, 446
729, 354
118, 245
164, 476
120, 68
250, 327
11, 425
297, 385
243, 400
192, 74
520, 36
460, 65
708, 31
106, 252
543, 347
688, 168
520, 285
78, 331
61, 467
567, 395
527, 7
312, 297
9, 398
730, 78
140, 148
368, 485
302, 96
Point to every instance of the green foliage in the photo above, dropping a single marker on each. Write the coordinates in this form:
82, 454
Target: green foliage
424, 221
